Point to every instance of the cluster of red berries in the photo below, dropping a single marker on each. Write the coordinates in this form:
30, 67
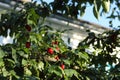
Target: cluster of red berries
28, 28
51, 51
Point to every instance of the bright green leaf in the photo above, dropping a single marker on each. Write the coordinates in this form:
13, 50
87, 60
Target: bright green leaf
106, 5
22, 53
5, 72
24, 62
67, 62
71, 72
12, 72
28, 72
33, 17
40, 66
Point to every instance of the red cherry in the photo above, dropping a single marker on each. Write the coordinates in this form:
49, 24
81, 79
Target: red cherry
27, 44
55, 42
28, 27
50, 50
57, 48
57, 58
62, 66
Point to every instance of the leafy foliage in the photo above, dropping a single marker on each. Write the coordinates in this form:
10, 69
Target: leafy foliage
37, 51
73, 8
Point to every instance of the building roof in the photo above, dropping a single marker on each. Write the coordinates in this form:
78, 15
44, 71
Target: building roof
78, 25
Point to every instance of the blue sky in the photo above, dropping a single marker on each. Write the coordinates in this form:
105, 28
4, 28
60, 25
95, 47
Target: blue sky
88, 16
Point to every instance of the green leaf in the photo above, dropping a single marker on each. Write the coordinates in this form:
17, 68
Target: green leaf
66, 78
58, 73
71, 72
40, 65
106, 5
83, 56
31, 78
2, 54
57, 70
95, 10
13, 73
39, 37
5, 72
82, 12
51, 69
22, 53
33, 38
11, 61
67, 62
28, 72
26, 50
14, 56
33, 17
1, 62
24, 62
33, 62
